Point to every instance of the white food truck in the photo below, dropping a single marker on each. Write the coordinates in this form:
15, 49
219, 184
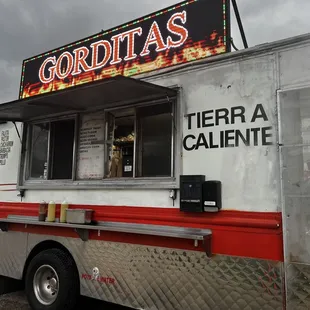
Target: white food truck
151, 167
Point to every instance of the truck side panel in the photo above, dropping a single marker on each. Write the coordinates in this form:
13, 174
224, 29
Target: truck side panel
10, 147
13, 255
148, 277
294, 67
228, 130
294, 103
222, 103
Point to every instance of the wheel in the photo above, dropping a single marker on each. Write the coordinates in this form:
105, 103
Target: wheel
52, 281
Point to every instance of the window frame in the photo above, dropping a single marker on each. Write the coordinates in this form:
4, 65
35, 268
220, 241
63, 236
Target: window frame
27, 160
137, 135
169, 182
29, 146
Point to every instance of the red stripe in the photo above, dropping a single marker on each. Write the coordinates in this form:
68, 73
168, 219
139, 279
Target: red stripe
247, 234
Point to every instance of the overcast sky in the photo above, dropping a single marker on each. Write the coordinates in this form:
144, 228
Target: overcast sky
30, 27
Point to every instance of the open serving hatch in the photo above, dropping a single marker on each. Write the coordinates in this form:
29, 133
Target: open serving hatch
110, 92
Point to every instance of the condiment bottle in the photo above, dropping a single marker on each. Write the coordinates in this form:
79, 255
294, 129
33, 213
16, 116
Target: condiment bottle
64, 206
42, 211
51, 212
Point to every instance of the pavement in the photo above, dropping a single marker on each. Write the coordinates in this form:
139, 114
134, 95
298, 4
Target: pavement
18, 301
14, 301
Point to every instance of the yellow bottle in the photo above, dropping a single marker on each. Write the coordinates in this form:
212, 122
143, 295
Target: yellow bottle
63, 208
51, 212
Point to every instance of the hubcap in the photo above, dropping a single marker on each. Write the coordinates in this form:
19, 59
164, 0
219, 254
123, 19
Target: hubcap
46, 284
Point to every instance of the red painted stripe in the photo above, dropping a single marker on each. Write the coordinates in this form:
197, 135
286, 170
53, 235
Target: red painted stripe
248, 234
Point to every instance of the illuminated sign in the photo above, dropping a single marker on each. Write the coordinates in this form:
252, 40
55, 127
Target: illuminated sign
188, 31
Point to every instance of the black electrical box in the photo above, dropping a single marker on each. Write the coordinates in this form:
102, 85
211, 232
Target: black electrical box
191, 199
212, 196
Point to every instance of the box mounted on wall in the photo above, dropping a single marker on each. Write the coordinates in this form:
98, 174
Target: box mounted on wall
198, 195
191, 193
212, 196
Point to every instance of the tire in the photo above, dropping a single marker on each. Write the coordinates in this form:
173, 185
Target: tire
50, 271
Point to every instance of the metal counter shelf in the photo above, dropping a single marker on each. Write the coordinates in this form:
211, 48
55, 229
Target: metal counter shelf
142, 229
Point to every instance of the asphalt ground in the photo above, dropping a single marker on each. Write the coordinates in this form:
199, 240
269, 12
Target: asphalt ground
18, 301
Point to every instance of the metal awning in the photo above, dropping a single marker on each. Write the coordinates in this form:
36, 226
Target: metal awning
106, 93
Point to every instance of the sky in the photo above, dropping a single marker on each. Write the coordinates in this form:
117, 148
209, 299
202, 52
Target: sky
31, 27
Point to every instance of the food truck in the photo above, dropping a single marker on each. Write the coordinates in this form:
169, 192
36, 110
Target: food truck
152, 167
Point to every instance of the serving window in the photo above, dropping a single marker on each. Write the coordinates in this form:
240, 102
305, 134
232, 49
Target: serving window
112, 145
51, 150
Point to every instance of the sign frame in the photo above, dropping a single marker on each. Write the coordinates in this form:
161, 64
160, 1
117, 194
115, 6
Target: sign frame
37, 87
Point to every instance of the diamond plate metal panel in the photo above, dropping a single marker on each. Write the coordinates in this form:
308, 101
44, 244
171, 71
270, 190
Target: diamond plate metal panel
12, 258
167, 279
298, 286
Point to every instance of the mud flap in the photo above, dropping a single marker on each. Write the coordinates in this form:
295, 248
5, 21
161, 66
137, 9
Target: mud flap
9, 285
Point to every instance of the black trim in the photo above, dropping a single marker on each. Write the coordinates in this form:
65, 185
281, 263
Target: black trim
4, 227
83, 233
207, 244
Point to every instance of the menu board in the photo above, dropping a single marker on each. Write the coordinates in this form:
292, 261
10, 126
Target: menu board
5, 146
90, 161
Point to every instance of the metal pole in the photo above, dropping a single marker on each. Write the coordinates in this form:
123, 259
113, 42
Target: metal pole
239, 23
17, 132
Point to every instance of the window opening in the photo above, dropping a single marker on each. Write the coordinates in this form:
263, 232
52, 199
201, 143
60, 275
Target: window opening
120, 144
51, 153
123, 143
39, 151
62, 135
155, 138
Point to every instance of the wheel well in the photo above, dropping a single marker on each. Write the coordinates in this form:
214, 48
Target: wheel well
42, 246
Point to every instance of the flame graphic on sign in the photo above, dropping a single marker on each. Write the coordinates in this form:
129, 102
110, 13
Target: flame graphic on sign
190, 52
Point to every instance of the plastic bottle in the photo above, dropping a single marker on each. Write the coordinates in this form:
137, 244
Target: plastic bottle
51, 212
63, 208
42, 211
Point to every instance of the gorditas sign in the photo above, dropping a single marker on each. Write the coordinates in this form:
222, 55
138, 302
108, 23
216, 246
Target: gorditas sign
188, 31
